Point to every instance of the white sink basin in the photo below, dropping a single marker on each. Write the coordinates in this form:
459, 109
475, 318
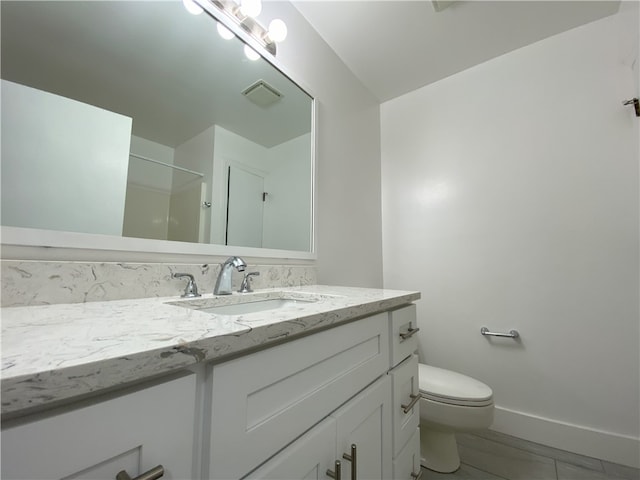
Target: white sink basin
252, 307
242, 305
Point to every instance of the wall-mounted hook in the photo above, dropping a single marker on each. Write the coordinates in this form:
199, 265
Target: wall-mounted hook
636, 104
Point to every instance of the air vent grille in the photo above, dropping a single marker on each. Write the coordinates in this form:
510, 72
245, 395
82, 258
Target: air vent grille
262, 94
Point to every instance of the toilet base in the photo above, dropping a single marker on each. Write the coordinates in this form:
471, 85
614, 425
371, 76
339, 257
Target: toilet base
439, 451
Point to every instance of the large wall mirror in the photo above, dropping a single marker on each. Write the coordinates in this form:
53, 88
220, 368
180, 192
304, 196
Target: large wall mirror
138, 120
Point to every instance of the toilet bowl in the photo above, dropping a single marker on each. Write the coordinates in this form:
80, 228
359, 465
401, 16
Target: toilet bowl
449, 402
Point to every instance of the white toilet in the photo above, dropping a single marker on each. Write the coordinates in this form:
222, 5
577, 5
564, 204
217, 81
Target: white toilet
449, 402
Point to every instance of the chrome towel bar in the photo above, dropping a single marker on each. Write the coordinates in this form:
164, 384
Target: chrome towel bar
512, 333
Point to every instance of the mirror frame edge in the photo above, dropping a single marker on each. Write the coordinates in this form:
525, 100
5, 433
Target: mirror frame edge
109, 248
32, 244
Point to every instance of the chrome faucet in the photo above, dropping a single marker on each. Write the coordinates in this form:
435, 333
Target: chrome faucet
223, 283
245, 286
191, 290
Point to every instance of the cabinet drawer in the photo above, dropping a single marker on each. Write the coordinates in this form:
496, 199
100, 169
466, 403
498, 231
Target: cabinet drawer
406, 466
405, 385
263, 401
402, 328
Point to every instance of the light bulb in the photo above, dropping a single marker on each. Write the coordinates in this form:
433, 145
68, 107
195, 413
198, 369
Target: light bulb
224, 32
251, 53
192, 7
251, 8
277, 30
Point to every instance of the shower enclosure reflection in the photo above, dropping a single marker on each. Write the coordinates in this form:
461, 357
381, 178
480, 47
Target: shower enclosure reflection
163, 201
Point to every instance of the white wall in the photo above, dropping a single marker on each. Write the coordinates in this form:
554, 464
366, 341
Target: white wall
511, 201
287, 212
73, 155
348, 198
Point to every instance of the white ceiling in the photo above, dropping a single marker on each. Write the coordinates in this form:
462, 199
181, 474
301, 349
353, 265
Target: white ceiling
396, 46
168, 70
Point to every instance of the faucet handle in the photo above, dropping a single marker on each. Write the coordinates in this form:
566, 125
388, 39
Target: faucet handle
191, 290
245, 287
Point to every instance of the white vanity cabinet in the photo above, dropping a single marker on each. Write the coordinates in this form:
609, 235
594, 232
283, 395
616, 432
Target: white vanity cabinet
355, 384
263, 401
405, 392
133, 431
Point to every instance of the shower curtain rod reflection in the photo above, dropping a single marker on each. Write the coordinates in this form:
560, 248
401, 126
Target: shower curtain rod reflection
147, 159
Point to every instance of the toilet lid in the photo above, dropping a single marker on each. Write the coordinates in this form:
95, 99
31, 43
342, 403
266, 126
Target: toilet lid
450, 387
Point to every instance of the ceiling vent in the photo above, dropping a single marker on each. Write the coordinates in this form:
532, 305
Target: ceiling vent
262, 94
439, 5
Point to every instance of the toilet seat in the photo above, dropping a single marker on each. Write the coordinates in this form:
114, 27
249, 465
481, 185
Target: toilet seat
444, 386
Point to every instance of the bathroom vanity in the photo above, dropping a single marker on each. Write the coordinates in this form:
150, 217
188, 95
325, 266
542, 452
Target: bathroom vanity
315, 382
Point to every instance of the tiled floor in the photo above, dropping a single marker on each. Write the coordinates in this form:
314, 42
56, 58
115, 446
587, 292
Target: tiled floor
494, 456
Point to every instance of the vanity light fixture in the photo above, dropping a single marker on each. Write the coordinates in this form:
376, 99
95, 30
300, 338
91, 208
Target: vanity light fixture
243, 14
224, 32
251, 8
277, 30
250, 53
192, 7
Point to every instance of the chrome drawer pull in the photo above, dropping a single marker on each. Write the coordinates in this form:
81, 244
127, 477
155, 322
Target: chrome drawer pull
337, 474
414, 400
512, 334
353, 459
410, 333
152, 474
416, 476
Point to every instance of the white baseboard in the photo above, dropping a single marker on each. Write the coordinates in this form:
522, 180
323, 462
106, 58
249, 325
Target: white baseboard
608, 446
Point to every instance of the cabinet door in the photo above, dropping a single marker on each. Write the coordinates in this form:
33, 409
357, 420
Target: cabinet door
365, 421
133, 431
307, 458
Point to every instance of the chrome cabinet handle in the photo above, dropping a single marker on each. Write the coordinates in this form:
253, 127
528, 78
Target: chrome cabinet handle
512, 333
416, 476
414, 400
152, 474
337, 473
353, 459
410, 333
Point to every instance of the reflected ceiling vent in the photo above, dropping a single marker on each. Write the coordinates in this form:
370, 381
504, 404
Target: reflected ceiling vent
262, 94
439, 5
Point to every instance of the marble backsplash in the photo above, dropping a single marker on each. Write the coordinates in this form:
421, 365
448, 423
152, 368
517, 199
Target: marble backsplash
26, 283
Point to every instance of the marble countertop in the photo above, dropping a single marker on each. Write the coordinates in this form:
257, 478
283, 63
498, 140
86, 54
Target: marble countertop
56, 352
